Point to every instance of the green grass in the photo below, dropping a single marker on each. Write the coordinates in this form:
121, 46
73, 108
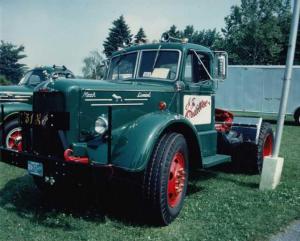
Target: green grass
220, 206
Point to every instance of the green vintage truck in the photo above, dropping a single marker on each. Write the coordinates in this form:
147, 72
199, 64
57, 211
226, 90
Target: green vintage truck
153, 116
16, 98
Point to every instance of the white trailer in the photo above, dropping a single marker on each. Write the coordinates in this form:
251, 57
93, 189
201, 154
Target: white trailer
256, 89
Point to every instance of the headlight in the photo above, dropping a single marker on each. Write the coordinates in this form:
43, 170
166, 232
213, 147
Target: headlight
101, 125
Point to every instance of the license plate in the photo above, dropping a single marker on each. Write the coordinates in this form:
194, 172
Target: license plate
35, 168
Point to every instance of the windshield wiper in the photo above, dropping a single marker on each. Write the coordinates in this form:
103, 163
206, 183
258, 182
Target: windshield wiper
156, 57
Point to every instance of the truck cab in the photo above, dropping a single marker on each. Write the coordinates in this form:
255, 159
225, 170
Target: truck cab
152, 116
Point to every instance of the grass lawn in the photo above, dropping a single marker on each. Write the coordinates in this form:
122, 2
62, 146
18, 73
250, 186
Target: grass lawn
220, 206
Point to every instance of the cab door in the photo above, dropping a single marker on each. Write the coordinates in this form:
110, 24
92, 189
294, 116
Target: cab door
198, 100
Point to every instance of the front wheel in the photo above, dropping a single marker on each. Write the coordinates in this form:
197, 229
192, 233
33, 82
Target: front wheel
166, 178
13, 135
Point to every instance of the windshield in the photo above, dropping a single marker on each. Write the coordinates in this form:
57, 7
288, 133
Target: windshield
161, 64
24, 79
122, 66
35, 77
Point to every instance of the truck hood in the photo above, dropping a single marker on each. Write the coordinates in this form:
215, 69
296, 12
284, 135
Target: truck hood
106, 85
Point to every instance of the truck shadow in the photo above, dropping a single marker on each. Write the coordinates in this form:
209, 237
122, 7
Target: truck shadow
121, 203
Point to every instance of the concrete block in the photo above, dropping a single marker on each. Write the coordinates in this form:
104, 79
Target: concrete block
271, 173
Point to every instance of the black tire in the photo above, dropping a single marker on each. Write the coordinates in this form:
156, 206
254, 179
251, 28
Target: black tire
10, 127
158, 186
264, 146
297, 116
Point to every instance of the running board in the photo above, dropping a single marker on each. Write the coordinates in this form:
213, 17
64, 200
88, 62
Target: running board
210, 161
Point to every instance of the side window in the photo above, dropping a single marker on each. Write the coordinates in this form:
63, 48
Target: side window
194, 70
34, 80
37, 77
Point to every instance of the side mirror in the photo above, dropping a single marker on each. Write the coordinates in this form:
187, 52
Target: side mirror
221, 65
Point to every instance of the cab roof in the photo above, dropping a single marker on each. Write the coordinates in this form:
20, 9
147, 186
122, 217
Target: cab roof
51, 68
164, 45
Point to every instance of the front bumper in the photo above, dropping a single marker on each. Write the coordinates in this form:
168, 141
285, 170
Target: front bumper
53, 167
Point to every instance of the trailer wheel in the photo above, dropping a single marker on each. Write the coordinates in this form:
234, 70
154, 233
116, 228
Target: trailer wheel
12, 135
265, 144
297, 116
166, 178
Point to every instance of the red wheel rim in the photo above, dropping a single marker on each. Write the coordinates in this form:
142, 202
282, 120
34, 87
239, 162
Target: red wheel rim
176, 180
268, 146
14, 139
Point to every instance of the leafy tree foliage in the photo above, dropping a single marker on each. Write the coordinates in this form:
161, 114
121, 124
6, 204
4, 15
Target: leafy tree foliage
4, 81
117, 35
140, 37
209, 38
92, 66
174, 32
297, 52
10, 55
256, 32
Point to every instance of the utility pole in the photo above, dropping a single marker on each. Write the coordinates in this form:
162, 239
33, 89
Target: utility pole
272, 166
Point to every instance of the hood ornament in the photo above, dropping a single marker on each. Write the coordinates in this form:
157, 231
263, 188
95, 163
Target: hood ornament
117, 98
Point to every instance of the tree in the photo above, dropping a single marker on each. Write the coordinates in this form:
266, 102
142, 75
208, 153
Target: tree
4, 81
256, 32
209, 38
93, 66
116, 37
10, 55
173, 32
140, 36
297, 51
189, 32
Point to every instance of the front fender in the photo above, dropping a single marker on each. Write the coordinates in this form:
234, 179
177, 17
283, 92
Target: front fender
12, 109
135, 143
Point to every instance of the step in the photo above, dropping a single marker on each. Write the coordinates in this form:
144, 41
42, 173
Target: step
214, 160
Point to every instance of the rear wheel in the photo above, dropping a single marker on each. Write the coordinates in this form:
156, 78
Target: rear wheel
13, 135
265, 144
166, 177
297, 116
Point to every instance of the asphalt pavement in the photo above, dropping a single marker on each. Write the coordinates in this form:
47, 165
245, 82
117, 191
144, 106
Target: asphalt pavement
291, 233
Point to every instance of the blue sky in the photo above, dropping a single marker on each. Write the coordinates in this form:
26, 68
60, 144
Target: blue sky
65, 31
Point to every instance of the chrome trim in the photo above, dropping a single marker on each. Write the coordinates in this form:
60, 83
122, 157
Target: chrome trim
97, 99
16, 93
138, 99
124, 104
14, 99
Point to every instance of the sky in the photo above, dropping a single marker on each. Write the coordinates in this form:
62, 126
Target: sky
63, 32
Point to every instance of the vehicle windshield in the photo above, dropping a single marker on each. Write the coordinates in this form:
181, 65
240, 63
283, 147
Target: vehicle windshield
24, 79
122, 66
161, 64
35, 77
